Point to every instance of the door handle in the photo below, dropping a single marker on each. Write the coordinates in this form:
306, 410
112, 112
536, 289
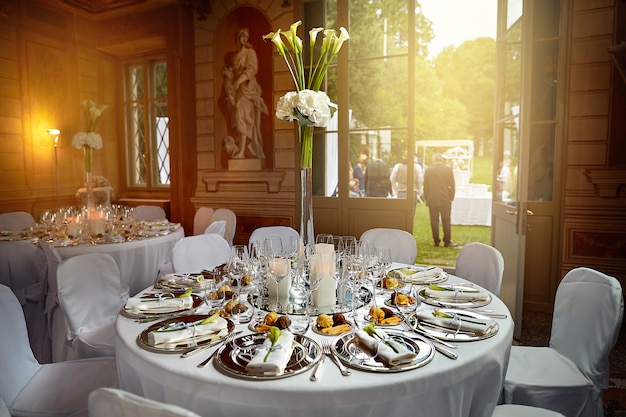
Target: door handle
514, 212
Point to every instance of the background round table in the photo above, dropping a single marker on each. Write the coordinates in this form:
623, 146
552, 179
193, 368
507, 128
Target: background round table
468, 386
138, 260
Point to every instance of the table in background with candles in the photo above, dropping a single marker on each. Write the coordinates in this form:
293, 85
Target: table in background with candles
138, 260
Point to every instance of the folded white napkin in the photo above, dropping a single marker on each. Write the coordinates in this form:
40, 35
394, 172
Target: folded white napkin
411, 274
277, 359
456, 292
383, 351
457, 322
156, 305
181, 331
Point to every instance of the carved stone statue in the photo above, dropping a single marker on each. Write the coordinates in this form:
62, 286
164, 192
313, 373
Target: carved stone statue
245, 104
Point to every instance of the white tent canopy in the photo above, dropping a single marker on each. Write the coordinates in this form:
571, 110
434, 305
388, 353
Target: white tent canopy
449, 148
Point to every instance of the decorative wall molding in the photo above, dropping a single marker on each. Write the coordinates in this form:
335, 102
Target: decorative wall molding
607, 182
272, 179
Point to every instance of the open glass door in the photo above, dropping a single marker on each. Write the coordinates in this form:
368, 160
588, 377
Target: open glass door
526, 206
507, 232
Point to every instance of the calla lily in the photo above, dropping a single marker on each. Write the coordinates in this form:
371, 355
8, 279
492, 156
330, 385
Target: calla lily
313, 36
343, 36
276, 40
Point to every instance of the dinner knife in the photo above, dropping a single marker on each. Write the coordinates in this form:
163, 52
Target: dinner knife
318, 369
205, 347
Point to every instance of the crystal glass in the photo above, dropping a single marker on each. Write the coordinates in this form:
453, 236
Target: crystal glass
238, 264
277, 269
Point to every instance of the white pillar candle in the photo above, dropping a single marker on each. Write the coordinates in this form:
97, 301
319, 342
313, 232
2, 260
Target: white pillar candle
322, 268
73, 228
281, 266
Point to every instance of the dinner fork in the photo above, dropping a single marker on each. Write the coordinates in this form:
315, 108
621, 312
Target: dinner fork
326, 348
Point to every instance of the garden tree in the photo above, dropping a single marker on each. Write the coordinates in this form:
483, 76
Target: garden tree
467, 74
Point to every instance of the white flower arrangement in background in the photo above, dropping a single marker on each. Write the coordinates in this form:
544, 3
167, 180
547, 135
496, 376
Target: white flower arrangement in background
89, 139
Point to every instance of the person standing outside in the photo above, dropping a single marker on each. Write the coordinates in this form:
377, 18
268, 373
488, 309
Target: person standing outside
359, 172
439, 189
399, 176
377, 182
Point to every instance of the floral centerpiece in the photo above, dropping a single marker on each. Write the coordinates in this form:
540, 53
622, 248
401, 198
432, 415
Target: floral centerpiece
89, 140
308, 106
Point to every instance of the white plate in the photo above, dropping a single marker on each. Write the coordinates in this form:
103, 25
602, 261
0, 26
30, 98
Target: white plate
146, 314
451, 334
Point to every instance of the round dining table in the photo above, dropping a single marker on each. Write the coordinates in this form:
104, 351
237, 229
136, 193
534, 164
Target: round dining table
465, 387
139, 260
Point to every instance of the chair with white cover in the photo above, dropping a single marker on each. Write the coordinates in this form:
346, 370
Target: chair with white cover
402, 243
284, 232
16, 220
570, 374
108, 402
202, 219
90, 296
146, 212
29, 388
231, 222
481, 264
217, 227
24, 267
516, 410
195, 253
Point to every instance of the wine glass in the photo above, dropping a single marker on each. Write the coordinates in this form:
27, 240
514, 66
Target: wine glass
237, 266
213, 296
383, 262
258, 256
353, 270
277, 269
324, 238
278, 264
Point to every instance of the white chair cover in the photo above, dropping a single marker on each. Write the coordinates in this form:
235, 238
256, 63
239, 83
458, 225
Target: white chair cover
569, 376
90, 295
515, 410
231, 222
481, 264
195, 253
24, 269
145, 212
284, 232
402, 244
4, 411
217, 227
202, 219
109, 402
16, 220
32, 389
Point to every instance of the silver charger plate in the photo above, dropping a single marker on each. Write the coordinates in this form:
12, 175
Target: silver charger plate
451, 303
399, 315
442, 276
233, 357
349, 352
450, 334
182, 346
196, 301
178, 281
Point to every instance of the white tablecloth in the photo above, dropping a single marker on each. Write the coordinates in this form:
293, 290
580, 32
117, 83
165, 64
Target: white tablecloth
138, 260
469, 386
471, 210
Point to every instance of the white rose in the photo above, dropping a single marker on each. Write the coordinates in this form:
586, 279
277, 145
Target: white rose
79, 140
94, 140
315, 105
286, 105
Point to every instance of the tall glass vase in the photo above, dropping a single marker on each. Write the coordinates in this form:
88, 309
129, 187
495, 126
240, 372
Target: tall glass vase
307, 235
89, 200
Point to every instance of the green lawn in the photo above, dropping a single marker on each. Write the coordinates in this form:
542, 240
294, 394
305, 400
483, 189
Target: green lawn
429, 254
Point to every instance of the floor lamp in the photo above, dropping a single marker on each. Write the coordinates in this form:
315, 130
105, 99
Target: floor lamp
54, 135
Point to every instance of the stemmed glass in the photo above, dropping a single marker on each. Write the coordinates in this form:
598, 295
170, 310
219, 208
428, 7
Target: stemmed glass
383, 262
277, 265
238, 264
352, 270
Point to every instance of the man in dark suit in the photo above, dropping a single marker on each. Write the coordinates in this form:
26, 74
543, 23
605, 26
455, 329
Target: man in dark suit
439, 189
377, 182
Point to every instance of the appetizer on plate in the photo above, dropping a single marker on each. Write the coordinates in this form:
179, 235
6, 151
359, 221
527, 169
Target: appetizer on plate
384, 316
331, 325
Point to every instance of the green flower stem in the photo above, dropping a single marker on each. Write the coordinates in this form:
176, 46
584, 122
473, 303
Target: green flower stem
87, 151
306, 146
